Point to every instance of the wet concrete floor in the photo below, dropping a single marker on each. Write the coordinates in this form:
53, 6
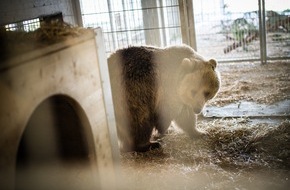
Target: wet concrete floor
255, 112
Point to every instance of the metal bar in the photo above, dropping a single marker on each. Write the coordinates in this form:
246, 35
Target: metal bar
142, 29
151, 18
252, 60
236, 60
187, 23
262, 31
128, 35
183, 21
278, 58
78, 14
130, 10
191, 24
162, 23
111, 23
264, 58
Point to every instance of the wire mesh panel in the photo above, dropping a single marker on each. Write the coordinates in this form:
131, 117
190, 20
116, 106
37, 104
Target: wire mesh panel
225, 31
33, 24
27, 25
230, 30
277, 29
134, 22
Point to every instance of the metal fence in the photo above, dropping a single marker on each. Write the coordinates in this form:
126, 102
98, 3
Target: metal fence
224, 34
33, 24
26, 25
232, 35
219, 31
134, 22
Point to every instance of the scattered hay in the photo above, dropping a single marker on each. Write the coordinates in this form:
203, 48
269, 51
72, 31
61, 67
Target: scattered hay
264, 84
229, 143
56, 31
234, 155
250, 146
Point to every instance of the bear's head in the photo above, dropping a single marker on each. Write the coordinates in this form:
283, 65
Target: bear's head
199, 81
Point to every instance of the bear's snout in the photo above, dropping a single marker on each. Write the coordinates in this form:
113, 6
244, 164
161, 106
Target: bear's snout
197, 109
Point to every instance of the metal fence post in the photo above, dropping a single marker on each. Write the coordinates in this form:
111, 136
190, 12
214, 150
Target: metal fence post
262, 31
114, 36
151, 22
187, 23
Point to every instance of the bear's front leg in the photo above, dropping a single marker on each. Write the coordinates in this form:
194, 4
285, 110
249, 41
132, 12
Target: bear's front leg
186, 120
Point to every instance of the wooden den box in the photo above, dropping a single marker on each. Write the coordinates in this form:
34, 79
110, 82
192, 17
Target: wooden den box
54, 130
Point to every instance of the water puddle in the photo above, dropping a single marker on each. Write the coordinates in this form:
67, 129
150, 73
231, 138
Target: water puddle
250, 109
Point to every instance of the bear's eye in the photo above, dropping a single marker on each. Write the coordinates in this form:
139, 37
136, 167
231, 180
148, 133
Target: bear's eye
206, 94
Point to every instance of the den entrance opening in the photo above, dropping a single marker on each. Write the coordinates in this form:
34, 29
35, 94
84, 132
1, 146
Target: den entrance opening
54, 150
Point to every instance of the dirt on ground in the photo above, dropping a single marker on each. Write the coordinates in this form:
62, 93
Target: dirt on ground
236, 153
265, 84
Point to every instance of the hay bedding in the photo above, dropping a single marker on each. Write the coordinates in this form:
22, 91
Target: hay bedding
234, 155
251, 81
251, 146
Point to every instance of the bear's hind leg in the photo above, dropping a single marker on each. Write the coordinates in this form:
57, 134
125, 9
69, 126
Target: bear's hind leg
143, 136
161, 124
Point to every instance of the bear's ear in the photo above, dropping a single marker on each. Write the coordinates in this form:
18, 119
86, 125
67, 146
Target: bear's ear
186, 63
213, 63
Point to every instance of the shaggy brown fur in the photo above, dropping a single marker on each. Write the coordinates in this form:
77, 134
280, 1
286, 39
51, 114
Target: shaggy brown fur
152, 86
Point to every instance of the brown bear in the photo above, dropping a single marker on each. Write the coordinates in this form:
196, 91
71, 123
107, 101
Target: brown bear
153, 86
